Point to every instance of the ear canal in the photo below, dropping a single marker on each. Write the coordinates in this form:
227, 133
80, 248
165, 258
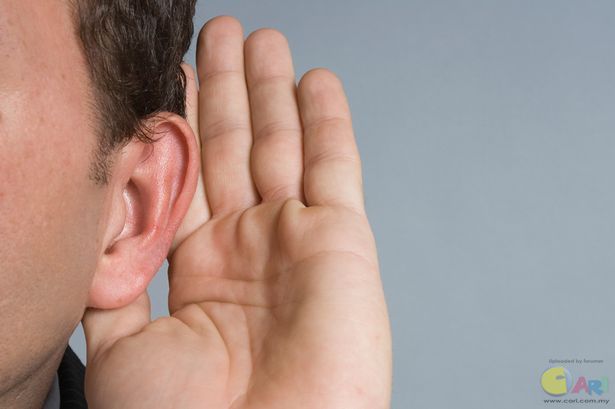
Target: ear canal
133, 223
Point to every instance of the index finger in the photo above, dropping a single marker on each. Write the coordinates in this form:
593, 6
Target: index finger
198, 212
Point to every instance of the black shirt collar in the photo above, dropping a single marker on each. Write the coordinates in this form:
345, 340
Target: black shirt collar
71, 375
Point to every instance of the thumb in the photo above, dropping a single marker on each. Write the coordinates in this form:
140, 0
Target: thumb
103, 328
198, 212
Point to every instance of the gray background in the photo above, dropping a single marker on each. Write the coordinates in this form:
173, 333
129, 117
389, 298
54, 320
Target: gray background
486, 131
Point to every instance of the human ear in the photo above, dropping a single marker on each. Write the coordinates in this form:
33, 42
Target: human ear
150, 191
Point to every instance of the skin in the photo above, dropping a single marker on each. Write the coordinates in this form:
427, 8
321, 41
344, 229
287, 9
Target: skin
49, 210
275, 292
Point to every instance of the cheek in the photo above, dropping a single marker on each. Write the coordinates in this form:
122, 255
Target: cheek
47, 199
49, 209
49, 212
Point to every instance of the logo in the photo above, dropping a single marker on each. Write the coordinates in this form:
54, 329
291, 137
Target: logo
558, 381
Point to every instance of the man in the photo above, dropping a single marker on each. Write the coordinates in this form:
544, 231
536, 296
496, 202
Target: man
112, 161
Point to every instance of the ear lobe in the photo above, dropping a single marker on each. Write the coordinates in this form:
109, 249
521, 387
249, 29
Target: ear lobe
151, 189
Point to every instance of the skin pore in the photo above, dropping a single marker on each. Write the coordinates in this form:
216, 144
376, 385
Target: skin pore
49, 209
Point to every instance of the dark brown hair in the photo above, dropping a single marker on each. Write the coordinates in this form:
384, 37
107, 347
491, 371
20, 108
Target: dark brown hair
133, 49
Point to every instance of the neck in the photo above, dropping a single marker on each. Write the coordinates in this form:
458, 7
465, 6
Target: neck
31, 391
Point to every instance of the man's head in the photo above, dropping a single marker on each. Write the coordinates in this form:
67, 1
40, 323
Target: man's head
88, 205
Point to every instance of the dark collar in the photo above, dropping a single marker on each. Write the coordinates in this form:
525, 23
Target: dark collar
71, 375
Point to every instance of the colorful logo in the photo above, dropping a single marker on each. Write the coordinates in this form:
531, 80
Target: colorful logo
558, 381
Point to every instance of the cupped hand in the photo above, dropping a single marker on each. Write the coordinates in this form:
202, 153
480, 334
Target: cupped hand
275, 295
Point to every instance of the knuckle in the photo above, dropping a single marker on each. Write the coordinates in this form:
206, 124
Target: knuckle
277, 192
329, 126
275, 137
289, 209
289, 222
333, 156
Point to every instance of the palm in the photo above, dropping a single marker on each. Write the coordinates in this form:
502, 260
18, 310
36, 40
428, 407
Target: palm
282, 306
275, 295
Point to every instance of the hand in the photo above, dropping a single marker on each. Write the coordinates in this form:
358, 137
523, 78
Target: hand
275, 293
